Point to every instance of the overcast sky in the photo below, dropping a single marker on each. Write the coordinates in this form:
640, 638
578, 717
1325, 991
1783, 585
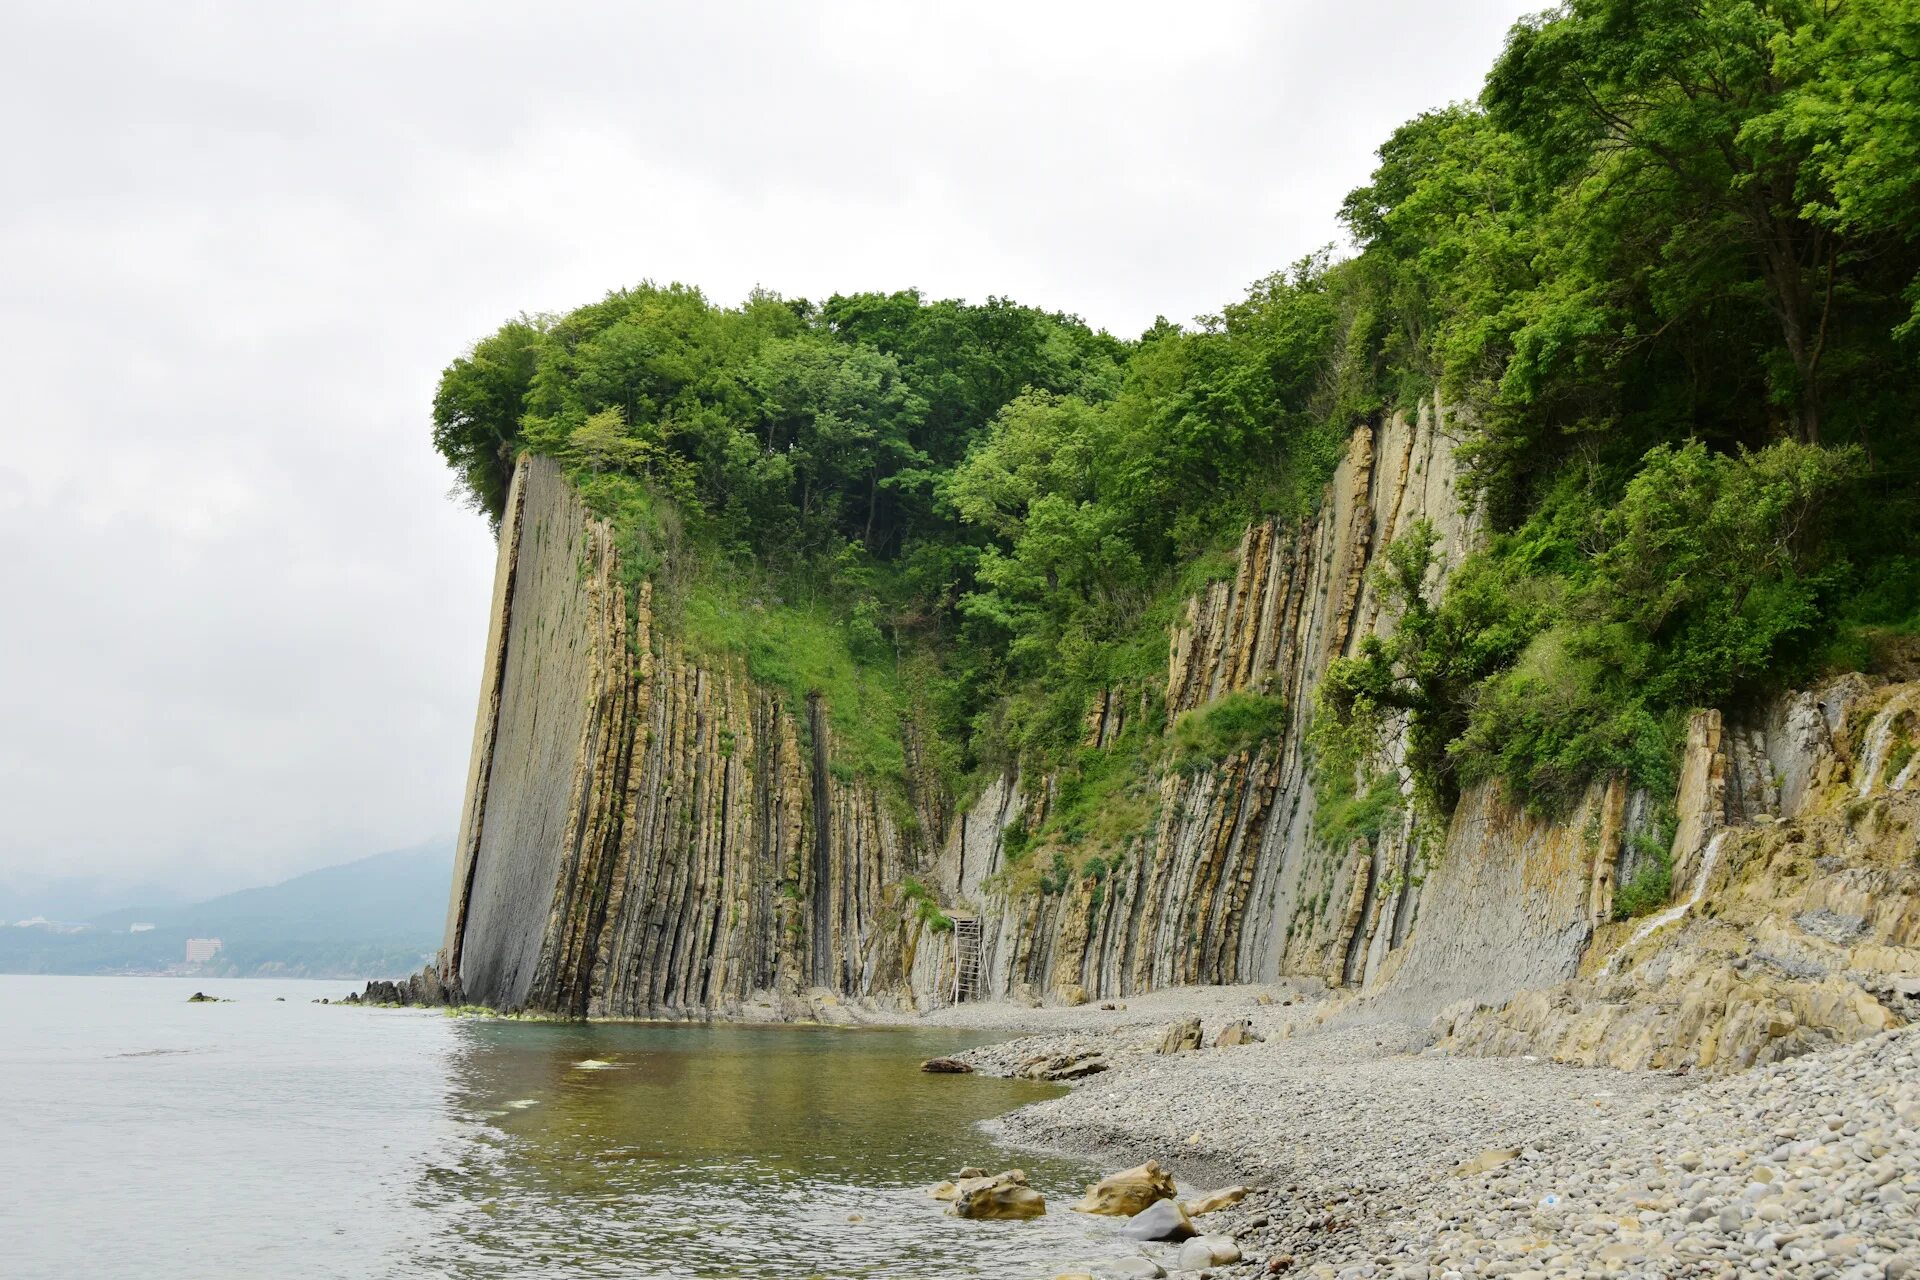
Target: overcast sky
240, 620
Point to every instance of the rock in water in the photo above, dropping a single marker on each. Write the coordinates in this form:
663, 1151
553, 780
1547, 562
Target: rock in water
1208, 1251
1124, 1194
1235, 1033
1135, 1268
1000, 1198
946, 1067
1214, 1201
947, 1190
1161, 1220
1179, 1037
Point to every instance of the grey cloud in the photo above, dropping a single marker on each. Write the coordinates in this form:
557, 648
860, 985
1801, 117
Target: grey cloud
242, 622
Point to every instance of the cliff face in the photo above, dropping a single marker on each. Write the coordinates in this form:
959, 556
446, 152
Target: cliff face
649, 835
1229, 883
644, 835
1795, 920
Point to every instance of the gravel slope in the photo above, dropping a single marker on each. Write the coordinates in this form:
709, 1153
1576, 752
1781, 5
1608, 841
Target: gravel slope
1354, 1135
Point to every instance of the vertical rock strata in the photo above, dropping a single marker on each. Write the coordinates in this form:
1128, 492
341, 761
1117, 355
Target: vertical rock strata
646, 835
650, 835
1229, 883
1794, 922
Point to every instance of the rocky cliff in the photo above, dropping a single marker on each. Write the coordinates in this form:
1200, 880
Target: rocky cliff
1227, 882
645, 834
1796, 915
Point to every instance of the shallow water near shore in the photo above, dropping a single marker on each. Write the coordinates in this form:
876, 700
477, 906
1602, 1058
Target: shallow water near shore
150, 1137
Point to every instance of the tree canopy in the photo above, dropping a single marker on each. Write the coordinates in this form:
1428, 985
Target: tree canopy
1664, 273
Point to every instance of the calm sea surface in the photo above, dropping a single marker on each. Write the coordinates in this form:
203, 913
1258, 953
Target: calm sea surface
144, 1136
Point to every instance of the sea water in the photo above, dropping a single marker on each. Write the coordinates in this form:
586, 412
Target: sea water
145, 1136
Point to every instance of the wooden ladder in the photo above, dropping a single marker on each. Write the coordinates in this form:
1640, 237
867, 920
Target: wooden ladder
966, 957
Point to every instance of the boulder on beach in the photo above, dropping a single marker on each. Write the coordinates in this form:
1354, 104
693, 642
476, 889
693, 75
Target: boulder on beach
1486, 1162
1237, 1033
1161, 1220
1207, 1251
1179, 1037
1126, 1193
1213, 1201
1003, 1197
1071, 1065
946, 1067
1072, 993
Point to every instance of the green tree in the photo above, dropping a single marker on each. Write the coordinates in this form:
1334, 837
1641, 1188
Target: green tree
477, 409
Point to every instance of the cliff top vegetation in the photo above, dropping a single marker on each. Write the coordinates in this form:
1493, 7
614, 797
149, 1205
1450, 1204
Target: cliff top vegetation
1663, 272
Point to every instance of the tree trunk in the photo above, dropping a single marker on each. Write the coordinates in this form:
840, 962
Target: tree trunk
1793, 308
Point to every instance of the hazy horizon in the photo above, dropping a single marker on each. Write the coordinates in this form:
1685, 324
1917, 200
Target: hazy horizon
245, 620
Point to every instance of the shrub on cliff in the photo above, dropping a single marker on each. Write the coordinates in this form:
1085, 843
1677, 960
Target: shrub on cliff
1664, 273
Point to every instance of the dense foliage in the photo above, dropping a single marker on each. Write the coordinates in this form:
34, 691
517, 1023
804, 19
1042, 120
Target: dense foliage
1000, 501
1669, 263
1665, 274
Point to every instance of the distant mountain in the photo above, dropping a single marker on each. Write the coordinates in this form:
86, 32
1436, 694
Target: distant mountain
77, 898
377, 917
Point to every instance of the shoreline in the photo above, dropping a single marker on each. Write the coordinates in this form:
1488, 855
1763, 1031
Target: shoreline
1370, 1154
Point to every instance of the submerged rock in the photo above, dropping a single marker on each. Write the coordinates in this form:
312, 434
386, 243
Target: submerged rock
1135, 1268
1124, 1194
1004, 1197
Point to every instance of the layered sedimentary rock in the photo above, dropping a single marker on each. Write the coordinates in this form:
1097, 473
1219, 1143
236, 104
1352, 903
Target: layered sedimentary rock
1228, 882
646, 835
1795, 922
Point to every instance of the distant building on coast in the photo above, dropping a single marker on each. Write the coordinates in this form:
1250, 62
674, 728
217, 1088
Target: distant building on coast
201, 950
139, 928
